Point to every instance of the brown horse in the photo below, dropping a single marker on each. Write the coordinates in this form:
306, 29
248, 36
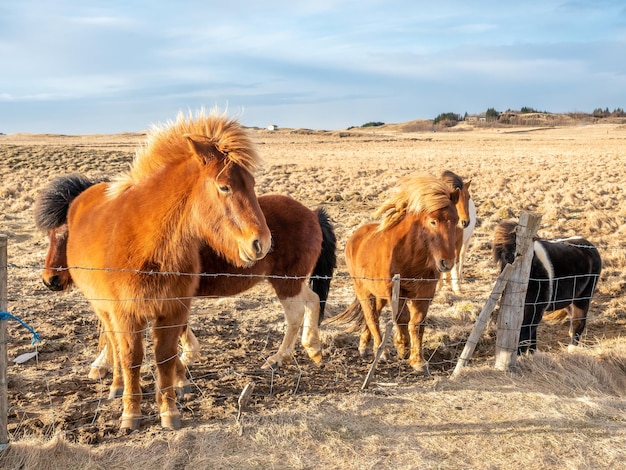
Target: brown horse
415, 239
190, 186
303, 246
467, 221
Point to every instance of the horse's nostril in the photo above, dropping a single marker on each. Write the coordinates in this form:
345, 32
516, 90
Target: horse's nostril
256, 245
465, 223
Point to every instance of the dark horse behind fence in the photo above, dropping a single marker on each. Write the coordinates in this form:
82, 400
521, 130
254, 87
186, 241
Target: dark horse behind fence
563, 275
299, 266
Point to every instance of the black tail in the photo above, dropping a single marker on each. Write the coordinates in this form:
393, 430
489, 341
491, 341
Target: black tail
54, 200
326, 263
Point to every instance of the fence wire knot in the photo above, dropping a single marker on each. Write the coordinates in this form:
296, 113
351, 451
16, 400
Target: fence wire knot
8, 316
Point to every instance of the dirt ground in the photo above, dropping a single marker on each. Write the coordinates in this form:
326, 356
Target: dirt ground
573, 176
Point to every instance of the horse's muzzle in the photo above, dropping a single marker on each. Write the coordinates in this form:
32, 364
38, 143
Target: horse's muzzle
255, 251
443, 266
54, 283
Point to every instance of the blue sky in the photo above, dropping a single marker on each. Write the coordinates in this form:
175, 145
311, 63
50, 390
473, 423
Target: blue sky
79, 67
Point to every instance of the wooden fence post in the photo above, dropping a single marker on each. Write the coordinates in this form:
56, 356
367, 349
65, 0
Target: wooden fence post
395, 301
483, 318
4, 306
514, 296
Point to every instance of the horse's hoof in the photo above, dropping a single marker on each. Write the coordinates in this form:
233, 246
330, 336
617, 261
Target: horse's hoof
316, 357
183, 390
421, 368
572, 348
115, 392
190, 357
97, 373
130, 423
170, 421
275, 361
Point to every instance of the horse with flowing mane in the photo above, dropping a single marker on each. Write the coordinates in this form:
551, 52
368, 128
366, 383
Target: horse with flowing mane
563, 275
190, 186
416, 239
303, 247
467, 222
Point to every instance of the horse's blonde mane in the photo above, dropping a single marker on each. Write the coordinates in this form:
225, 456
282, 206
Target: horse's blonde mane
421, 193
167, 143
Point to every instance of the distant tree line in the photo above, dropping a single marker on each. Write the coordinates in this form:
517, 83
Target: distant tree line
491, 115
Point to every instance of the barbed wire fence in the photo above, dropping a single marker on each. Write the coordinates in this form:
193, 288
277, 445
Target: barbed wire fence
40, 385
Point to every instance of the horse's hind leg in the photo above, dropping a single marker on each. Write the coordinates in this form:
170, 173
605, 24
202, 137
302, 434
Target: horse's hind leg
310, 329
190, 347
128, 337
578, 321
300, 310
102, 364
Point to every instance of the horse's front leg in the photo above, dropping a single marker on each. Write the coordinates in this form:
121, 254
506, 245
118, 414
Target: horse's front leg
418, 310
129, 341
402, 339
169, 368
190, 347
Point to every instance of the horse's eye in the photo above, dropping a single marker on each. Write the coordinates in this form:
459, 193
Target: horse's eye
224, 188
433, 223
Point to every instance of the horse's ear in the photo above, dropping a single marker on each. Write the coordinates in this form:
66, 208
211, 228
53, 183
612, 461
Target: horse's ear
454, 195
203, 148
467, 184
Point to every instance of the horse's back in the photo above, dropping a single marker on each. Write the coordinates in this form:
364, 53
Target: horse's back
573, 266
357, 249
572, 256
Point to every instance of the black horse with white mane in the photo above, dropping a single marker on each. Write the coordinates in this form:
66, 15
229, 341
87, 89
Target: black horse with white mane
563, 275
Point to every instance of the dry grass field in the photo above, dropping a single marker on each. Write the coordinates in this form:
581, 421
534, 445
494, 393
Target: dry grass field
558, 410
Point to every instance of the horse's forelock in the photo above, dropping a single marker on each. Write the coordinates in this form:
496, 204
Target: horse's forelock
452, 179
168, 144
418, 194
504, 240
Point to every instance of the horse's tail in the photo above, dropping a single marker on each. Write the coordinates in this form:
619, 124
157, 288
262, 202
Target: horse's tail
54, 200
503, 249
327, 261
353, 314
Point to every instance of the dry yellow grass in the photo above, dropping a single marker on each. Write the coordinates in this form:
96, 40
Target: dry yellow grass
558, 410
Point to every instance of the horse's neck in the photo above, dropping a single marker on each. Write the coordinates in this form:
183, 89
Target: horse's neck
164, 234
412, 240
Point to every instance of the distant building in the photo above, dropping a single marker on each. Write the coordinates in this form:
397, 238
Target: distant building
272, 127
476, 118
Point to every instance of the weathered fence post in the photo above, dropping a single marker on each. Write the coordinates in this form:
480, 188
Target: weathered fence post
512, 303
4, 306
483, 318
395, 301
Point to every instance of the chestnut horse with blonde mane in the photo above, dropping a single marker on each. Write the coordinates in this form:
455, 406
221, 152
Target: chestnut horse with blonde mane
415, 239
191, 185
303, 247
466, 209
